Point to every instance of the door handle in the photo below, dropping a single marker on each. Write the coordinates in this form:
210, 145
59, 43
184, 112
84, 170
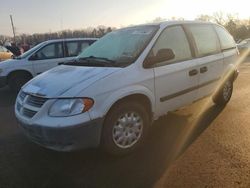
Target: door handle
193, 72
203, 69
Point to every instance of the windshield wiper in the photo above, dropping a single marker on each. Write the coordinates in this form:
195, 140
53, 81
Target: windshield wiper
93, 61
88, 62
97, 59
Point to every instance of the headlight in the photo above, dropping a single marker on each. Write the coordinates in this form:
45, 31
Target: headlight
70, 107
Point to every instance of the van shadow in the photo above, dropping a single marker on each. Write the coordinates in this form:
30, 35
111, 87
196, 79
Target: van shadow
93, 168
194, 129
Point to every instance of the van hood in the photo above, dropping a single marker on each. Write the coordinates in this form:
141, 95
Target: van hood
58, 81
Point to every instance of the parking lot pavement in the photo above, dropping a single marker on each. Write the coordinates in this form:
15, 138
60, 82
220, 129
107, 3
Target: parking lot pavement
218, 156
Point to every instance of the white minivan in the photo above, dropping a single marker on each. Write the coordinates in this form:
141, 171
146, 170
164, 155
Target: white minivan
110, 96
44, 56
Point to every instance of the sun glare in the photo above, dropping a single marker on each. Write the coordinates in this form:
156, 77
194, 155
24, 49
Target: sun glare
207, 103
189, 10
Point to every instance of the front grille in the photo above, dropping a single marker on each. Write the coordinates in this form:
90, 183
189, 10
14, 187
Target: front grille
36, 101
28, 105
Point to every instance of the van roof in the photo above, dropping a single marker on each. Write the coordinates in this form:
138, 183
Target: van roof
174, 22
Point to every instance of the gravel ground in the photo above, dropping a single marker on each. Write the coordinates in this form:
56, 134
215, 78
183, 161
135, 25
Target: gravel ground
213, 145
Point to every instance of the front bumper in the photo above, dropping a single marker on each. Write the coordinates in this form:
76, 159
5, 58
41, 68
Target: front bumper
86, 135
3, 81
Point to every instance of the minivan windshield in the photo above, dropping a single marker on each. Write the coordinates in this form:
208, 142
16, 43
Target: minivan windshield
120, 47
29, 52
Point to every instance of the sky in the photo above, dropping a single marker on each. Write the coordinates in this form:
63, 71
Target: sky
38, 16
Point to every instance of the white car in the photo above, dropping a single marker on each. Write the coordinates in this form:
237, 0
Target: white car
125, 81
46, 55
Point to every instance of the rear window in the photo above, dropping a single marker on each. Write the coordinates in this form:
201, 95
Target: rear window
84, 45
226, 39
205, 39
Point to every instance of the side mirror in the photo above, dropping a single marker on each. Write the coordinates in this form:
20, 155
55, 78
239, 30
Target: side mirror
164, 54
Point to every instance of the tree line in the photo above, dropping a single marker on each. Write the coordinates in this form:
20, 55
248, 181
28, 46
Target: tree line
36, 38
239, 28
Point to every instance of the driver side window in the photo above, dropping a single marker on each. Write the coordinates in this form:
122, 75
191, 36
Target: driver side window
173, 38
50, 51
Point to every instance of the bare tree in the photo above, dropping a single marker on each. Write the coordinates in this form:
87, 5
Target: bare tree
219, 18
40, 37
158, 19
240, 29
4, 39
204, 17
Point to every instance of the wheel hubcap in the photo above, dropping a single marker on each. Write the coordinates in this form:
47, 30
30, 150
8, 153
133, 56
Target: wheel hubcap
127, 130
227, 90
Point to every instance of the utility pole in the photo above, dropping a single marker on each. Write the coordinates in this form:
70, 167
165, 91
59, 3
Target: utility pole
13, 28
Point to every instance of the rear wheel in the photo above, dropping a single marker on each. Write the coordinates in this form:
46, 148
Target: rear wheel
224, 94
17, 80
125, 128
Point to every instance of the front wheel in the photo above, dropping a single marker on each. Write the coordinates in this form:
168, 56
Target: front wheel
125, 128
224, 94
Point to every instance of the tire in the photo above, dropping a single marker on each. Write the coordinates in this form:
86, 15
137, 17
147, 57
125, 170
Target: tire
17, 80
125, 128
223, 96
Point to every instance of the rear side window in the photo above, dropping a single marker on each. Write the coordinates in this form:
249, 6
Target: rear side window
205, 39
83, 46
226, 39
74, 48
173, 38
